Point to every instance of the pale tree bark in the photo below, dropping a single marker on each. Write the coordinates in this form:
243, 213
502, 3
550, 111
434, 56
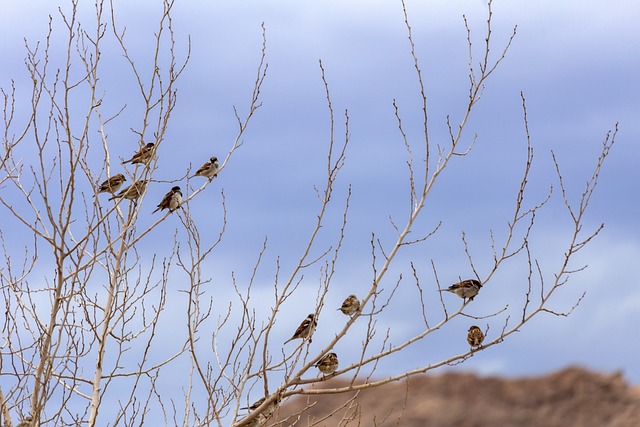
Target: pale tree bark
84, 308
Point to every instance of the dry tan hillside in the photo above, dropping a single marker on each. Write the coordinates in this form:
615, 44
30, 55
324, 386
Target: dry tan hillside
571, 398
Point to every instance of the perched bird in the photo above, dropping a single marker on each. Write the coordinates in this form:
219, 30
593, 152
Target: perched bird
26, 422
465, 289
475, 336
143, 155
132, 192
255, 404
171, 200
350, 305
306, 328
266, 413
112, 184
328, 364
209, 170
270, 409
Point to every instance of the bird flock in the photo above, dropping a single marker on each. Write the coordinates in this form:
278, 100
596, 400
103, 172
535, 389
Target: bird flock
172, 200
351, 305
328, 364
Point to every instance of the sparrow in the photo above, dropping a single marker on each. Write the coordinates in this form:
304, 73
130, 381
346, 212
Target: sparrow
475, 336
143, 155
350, 305
270, 409
255, 405
306, 328
132, 192
171, 200
262, 418
328, 364
465, 289
26, 421
209, 170
112, 184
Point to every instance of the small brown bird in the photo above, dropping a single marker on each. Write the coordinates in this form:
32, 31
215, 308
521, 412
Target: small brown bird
266, 413
328, 364
465, 289
350, 305
132, 192
171, 200
268, 410
475, 336
306, 328
255, 404
143, 155
209, 170
26, 422
112, 184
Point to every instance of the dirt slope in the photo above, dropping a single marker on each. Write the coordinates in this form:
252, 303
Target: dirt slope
571, 398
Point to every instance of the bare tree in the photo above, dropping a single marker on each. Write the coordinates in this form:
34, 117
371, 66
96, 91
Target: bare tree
84, 310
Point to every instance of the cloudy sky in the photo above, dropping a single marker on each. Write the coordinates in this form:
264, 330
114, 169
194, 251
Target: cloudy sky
576, 62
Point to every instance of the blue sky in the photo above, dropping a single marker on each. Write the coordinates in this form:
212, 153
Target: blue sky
576, 63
